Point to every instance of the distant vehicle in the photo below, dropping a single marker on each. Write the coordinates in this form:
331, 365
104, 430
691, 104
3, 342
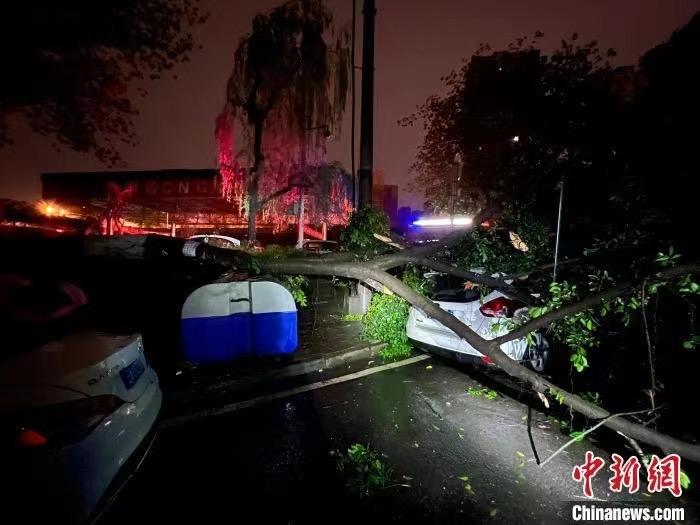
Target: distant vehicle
77, 408
480, 314
320, 247
220, 241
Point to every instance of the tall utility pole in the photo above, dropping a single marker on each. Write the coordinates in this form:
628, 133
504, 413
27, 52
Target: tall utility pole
367, 108
352, 138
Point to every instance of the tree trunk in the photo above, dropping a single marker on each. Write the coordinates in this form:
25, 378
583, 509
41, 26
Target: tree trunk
254, 179
252, 209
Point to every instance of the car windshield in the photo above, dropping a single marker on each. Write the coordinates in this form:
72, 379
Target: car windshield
218, 242
450, 289
453, 289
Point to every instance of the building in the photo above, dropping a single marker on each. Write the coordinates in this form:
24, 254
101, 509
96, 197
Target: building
179, 202
385, 197
182, 202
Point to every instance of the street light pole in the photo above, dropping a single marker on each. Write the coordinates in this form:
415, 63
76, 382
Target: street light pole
455, 182
300, 222
556, 245
367, 106
300, 211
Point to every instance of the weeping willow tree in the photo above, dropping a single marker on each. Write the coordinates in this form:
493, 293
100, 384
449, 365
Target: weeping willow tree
288, 90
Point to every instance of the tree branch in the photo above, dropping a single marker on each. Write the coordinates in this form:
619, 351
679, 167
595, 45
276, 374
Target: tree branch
542, 268
274, 195
593, 300
485, 280
421, 256
592, 429
392, 260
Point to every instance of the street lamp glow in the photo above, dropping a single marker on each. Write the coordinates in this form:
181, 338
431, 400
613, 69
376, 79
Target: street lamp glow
50, 209
443, 221
516, 138
433, 222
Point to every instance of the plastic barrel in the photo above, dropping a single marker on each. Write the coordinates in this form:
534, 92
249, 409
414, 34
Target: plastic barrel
274, 321
222, 321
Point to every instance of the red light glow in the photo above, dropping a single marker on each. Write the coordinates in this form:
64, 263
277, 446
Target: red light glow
291, 164
31, 438
500, 307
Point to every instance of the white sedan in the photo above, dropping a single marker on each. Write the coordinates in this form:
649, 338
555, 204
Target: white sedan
74, 411
480, 314
220, 241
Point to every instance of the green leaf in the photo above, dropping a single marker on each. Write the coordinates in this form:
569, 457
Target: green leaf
685, 480
577, 436
579, 361
535, 312
692, 343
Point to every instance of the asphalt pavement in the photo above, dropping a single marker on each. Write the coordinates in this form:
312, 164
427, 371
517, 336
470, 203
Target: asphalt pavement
455, 458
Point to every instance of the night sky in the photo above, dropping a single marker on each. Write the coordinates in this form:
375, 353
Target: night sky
417, 42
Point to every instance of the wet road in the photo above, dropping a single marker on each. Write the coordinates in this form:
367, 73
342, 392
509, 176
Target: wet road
276, 462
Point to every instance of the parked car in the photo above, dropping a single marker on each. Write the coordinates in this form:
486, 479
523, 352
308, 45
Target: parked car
77, 407
480, 314
320, 247
220, 241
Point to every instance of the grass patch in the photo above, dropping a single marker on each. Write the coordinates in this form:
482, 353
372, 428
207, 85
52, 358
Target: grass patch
385, 321
364, 469
482, 392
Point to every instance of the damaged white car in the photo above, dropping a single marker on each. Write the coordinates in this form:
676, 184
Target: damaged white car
481, 314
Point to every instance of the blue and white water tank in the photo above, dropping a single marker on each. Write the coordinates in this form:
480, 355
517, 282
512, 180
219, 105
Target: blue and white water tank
222, 321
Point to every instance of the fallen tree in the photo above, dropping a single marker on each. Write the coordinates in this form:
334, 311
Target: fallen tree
376, 269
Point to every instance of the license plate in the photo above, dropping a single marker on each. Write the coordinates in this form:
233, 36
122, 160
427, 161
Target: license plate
131, 373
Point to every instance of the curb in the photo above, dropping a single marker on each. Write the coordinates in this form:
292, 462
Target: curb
299, 368
268, 376
266, 398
